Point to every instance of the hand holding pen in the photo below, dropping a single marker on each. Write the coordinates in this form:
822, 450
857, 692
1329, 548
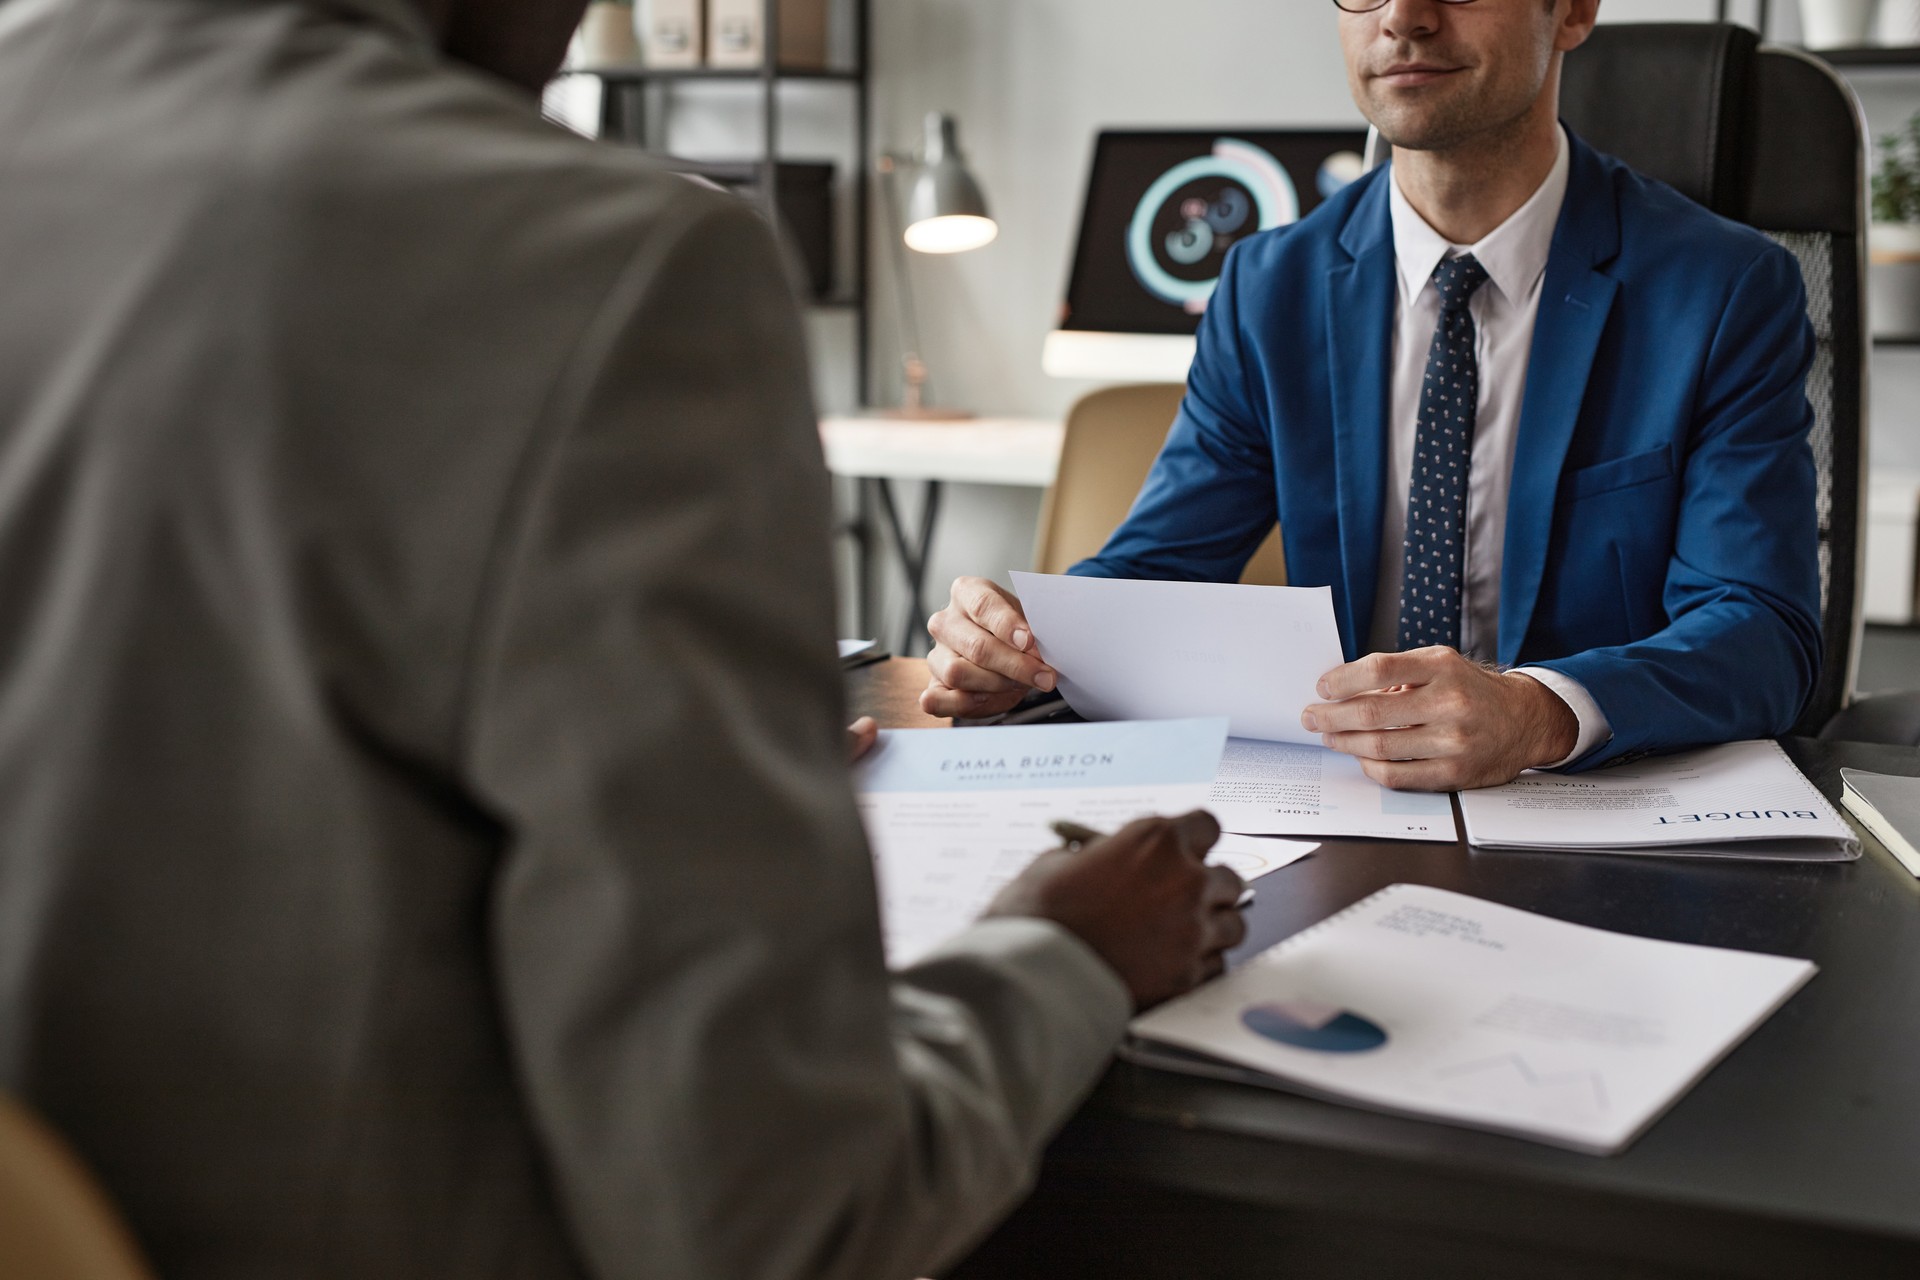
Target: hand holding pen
1144, 899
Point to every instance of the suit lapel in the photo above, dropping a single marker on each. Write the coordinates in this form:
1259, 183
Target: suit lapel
1361, 300
1575, 301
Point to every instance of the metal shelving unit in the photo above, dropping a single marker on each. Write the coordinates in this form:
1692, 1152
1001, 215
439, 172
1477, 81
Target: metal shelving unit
1868, 58
1864, 57
632, 99
1886, 57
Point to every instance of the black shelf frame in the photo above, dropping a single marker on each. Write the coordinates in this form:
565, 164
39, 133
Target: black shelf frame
1862, 57
1887, 57
625, 112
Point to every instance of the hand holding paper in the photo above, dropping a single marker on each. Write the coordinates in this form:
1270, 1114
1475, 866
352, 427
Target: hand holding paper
984, 659
1162, 650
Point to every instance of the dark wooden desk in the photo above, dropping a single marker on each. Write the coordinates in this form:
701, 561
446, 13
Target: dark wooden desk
1799, 1156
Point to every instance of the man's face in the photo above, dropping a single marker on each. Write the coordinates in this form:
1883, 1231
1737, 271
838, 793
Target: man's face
1433, 76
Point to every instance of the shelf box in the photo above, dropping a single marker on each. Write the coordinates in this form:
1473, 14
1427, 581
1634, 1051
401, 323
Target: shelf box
672, 33
736, 37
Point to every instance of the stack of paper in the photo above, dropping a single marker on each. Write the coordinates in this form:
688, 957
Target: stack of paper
1145, 650
953, 815
1741, 800
1433, 1004
1275, 788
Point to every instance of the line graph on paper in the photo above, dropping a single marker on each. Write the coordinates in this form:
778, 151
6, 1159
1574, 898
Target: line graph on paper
1512, 1082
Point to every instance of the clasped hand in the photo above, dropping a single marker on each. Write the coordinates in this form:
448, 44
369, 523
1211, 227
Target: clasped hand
1426, 720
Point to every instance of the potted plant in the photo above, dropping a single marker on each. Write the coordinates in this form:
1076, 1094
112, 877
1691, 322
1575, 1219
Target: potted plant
1835, 24
1893, 279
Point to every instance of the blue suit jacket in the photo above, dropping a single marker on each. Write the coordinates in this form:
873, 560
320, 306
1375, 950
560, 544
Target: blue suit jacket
1661, 545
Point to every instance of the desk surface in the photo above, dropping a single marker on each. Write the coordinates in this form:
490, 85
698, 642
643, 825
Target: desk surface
1013, 451
1797, 1156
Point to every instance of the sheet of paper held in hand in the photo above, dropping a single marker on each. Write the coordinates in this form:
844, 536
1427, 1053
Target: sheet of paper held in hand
1433, 1004
1171, 650
1253, 654
1740, 800
953, 815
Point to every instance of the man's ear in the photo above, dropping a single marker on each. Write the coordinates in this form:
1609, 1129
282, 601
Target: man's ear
1577, 25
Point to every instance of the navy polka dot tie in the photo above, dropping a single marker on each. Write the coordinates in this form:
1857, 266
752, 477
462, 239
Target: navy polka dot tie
1430, 594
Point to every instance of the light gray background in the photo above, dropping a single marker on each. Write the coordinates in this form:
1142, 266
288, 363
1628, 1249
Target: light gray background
1032, 82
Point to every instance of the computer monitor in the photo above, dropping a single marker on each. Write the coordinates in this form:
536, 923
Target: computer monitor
1162, 209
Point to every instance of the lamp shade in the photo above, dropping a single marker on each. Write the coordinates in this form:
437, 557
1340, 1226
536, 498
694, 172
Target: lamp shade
946, 213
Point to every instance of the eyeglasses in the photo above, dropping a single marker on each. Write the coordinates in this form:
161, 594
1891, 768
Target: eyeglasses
1368, 6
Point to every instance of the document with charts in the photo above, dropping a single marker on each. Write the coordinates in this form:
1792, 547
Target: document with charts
1740, 800
1279, 788
953, 814
1433, 1004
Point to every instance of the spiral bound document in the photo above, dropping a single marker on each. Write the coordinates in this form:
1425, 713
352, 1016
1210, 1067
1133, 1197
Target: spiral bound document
1436, 1005
1740, 800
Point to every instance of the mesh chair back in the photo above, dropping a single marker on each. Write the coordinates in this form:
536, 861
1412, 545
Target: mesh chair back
1773, 138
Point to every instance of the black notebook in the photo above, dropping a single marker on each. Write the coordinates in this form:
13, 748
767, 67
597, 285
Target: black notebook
1890, 808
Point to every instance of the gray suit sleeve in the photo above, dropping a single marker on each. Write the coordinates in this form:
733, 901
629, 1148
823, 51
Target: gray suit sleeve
726, 1083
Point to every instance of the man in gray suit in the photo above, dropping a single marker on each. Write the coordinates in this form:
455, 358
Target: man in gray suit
421, 853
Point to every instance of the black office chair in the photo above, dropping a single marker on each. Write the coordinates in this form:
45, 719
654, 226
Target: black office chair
1774, 138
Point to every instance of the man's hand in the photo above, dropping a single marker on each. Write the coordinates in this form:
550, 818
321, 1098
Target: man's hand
1144, 899
861, 735
1430, 720
983, 658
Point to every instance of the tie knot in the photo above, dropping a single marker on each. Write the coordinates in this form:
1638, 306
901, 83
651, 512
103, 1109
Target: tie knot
1457, 279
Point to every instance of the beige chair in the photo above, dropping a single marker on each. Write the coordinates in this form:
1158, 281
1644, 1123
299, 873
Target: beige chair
55, 1222
1112, 439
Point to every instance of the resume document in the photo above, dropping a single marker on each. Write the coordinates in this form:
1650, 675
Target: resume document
953, 815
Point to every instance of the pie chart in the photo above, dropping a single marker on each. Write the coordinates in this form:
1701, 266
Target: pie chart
1310, 1024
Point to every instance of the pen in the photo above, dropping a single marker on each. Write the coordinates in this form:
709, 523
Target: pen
1078, 836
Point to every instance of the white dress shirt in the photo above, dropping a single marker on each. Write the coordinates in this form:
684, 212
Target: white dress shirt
1504, 309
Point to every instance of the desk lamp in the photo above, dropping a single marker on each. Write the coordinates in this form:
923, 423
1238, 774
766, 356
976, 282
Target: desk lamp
945, 213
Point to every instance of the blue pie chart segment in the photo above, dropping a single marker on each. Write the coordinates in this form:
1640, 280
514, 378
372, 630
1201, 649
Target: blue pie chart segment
1305, 1024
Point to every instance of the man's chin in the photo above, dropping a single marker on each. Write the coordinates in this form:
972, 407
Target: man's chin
1421, 131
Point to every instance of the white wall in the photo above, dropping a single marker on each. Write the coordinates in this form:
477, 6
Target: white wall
1032, 82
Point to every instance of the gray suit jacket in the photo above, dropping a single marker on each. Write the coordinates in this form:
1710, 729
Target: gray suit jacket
425, 842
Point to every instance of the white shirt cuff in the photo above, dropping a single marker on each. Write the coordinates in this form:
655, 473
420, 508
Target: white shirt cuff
1595, 732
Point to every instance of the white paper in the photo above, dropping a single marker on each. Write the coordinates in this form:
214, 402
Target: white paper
1252, 857
854, 648
953, 814
1743, 799
1273, 788
1429, 1003
1130, 650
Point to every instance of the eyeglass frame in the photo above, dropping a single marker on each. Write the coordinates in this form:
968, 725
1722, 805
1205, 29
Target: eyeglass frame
1345, 7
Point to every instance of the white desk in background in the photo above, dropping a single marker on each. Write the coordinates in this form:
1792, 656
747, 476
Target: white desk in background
875, 451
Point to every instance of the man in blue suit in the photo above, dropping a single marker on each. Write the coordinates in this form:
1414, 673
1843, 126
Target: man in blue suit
1539, 421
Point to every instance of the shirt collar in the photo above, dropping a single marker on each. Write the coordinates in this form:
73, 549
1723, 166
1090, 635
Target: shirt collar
1513, 253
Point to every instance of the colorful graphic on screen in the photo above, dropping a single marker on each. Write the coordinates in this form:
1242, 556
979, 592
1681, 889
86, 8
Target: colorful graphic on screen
1309, 1024
1196, 211
1164, 206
